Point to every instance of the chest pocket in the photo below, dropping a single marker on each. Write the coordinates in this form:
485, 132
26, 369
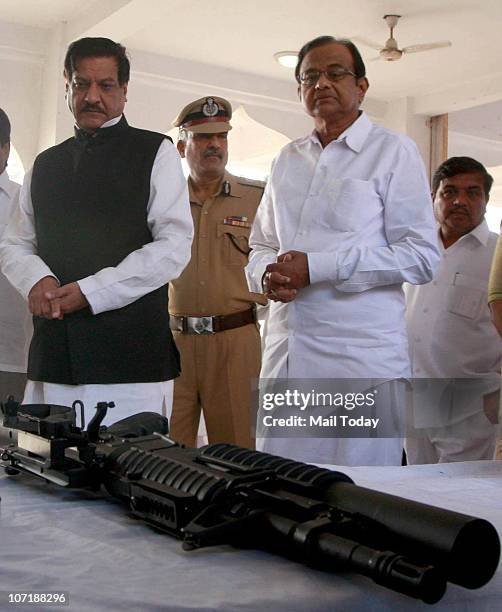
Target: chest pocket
467, 296
234, 244
351, 204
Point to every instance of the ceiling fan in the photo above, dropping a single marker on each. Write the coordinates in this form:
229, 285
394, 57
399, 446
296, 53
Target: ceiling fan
391, 52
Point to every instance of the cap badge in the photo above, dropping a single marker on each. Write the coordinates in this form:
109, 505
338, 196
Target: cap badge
210, 108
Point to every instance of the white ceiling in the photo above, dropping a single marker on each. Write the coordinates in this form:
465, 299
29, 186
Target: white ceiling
42, 13
244, 35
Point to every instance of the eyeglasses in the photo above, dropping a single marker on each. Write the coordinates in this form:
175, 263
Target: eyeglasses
332, 74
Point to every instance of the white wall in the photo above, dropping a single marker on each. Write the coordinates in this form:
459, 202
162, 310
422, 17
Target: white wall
21, 62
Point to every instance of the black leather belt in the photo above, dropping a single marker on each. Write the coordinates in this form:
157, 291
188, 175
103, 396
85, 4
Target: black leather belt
212, 324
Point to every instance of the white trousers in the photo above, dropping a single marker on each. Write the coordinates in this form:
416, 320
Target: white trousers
129, 399
471, 439
348, 451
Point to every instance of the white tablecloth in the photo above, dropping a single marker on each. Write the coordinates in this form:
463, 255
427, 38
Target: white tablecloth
52, 539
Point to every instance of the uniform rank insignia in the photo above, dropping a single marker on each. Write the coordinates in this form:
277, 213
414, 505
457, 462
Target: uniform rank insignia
210, 108
237, 221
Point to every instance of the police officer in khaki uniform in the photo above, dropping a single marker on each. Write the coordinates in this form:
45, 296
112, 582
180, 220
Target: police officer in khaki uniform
213, 314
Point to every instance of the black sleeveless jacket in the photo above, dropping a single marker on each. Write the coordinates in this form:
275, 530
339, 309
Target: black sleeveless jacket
90, 197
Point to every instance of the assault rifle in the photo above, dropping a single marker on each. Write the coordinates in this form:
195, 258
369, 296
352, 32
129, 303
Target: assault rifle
223, 494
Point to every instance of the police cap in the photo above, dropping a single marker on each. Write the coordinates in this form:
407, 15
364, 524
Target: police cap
210, 115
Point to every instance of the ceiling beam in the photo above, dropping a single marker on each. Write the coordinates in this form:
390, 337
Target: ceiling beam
118, 19
483, 90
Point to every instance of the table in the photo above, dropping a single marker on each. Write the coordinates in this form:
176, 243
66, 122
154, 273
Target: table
54, 539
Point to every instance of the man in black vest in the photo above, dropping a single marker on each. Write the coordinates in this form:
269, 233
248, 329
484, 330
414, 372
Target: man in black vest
103, 224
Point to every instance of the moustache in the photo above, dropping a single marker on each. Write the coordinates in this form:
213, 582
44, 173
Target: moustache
213, 153
88, 108
459, 209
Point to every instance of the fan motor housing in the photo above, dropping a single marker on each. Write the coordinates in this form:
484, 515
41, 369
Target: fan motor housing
390, 55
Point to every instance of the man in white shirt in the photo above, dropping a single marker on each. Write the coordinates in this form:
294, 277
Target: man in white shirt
344, 220
450, 331
13, 310
103, 224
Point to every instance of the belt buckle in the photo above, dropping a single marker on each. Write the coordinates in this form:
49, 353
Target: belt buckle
200, 325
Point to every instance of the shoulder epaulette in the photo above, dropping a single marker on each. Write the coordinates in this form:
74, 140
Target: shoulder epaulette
250, 182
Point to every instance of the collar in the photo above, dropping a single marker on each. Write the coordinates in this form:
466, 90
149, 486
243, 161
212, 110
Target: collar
234, 188
109, 129
354, 136
229, 187
6, 184
481, 233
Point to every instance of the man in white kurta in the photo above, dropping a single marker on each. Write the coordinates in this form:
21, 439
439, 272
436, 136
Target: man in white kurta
13, 309
452, 337
345, 219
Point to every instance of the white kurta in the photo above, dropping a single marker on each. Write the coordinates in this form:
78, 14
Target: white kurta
14, 315
141, 272
452, 336
361, 210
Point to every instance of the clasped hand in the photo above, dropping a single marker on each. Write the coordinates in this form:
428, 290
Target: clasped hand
284, 278
47, 299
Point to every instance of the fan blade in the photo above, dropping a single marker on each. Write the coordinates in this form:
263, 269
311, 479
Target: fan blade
374, 59
426, 47
367, 43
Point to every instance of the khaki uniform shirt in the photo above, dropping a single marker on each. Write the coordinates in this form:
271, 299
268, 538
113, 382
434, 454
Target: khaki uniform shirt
495, 282
214, 283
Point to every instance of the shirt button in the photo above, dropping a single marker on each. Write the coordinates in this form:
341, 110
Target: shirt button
202, 283
203, 235
434, 283
426, 310
417, 339
205, 212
